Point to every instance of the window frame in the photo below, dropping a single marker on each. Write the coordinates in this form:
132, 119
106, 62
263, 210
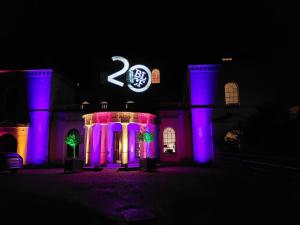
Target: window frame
169, 138
232, 95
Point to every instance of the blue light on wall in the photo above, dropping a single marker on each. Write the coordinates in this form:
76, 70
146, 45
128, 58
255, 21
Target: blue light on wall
202, 94
38, 91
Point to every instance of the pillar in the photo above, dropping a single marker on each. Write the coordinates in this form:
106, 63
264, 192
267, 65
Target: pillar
110, 144
124, 143
150, 146
87, 143
103, 144
144, 144
95, 147
202, 92
132, 129
38, 84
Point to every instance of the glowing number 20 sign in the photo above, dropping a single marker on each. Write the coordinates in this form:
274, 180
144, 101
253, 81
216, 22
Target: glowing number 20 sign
138, 77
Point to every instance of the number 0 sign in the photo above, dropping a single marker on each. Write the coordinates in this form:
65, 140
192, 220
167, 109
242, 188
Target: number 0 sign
138, 77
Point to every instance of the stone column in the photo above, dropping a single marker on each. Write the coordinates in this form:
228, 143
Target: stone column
95, 147
87, 141
38, 84
110, 144
144, 144
132, 129
124, 143
202, 92
151, 151
103, 144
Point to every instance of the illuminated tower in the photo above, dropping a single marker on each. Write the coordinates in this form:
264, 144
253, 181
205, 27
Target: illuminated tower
202, 80
38, 92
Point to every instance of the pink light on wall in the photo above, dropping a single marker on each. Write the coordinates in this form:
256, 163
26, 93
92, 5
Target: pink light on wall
8, 71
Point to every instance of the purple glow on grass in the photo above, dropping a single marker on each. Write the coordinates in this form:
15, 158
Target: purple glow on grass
38, 93
202, 89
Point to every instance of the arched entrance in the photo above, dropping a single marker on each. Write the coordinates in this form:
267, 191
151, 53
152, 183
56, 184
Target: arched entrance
8, 143
114, 143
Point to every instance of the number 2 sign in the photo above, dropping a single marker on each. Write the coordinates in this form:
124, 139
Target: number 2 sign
138, 77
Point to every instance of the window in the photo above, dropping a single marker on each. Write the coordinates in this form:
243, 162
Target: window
169, 140
155, 76
232, 94
128, 103
294, 111
103, 104
84, 104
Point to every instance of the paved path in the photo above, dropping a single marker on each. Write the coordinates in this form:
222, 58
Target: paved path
172, 195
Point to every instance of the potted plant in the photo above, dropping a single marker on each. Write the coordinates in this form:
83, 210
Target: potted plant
147, 164
73, 164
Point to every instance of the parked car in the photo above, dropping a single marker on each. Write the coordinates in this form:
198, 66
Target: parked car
10, 161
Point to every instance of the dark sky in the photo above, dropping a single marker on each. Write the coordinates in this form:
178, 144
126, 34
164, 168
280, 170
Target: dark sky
80, 38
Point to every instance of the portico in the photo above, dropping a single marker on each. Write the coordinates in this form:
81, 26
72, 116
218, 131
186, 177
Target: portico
115, 138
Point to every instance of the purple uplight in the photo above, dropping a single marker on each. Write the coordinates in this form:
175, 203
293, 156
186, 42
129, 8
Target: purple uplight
38, 92
202, 89
95, 151
132, 129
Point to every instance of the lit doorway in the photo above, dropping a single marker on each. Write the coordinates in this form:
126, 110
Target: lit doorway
117, 156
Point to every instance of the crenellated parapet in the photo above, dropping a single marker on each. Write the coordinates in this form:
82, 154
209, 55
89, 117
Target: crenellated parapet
205, 67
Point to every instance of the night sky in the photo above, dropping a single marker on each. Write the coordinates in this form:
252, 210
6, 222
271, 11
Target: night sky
79, 39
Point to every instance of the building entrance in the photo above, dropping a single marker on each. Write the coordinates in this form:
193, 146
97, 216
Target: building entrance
117, 147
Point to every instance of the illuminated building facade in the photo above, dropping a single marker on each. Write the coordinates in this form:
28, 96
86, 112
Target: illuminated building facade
114, 137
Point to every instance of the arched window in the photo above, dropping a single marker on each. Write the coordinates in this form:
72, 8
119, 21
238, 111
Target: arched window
103, 105
155, 74
169, 140
72, 141
84, 104
128, 104
232, 94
